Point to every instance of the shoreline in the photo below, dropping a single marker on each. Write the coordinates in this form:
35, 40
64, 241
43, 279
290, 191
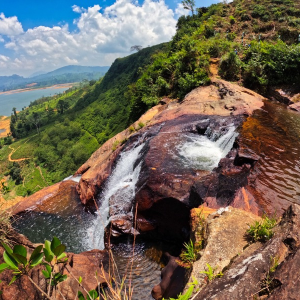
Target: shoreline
56, 86
4, 125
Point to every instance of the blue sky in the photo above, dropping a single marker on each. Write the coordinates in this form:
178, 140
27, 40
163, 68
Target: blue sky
44, 35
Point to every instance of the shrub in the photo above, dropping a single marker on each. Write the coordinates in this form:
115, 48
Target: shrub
230, 66
232, 20
262, 231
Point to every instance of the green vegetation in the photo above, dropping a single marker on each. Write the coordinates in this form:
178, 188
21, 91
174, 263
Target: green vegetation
262, 231
210, 273
49, 257
187, 295
189, 254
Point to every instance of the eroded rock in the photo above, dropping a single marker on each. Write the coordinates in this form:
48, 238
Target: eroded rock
222, 235
246, 277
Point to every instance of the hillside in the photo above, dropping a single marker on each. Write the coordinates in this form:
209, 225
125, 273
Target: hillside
59, 133
62, 75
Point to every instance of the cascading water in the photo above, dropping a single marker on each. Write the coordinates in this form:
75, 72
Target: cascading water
205, 151
117, 194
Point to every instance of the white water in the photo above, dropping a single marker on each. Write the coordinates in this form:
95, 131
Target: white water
121, 184
203, 153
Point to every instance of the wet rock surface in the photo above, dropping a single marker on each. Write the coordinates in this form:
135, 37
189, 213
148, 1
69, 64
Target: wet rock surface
251, 276
172, 280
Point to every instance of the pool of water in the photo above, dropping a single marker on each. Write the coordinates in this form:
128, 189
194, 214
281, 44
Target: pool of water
141, 264
274, 134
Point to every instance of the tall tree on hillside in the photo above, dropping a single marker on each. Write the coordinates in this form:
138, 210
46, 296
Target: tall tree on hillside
15, 112
136, 48
36, 120
62, 106
189, 4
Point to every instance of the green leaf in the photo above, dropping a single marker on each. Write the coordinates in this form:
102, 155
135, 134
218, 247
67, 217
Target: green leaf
21, 250
55, 243
37, 259
36, 252
20, 259
48, 255
3, 267
45, 273
80, 296
13, 279
10, 261
62, 256
79, 279
93, 294
7, 248
48, 268
48, 246
59, 250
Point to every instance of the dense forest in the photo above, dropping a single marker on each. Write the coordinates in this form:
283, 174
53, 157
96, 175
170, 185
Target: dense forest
255, 43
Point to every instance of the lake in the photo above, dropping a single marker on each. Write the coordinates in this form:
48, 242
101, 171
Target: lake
19, 100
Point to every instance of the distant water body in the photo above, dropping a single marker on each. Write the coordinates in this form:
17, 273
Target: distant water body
19, 100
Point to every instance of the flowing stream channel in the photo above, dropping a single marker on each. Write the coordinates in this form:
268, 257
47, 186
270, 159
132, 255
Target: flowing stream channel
81, 231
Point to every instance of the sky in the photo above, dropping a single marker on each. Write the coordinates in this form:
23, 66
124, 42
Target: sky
41, 36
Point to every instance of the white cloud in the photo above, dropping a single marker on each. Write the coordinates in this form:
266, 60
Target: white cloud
179, 11
10, 26
4, 58
1, 39
101, 36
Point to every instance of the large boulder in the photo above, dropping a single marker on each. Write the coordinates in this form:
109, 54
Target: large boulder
253, 275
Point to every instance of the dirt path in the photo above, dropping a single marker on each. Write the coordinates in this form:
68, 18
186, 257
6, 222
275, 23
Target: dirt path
213, 68
12, 152
42, 175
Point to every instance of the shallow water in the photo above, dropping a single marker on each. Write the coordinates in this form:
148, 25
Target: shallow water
274, 134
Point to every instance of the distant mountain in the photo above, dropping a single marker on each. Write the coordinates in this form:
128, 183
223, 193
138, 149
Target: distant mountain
62, 75
74, 70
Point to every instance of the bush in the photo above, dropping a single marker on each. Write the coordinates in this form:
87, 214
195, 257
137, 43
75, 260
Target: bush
262, 231
230, 66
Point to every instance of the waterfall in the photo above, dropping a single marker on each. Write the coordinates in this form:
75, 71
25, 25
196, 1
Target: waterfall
118, 193
204, 152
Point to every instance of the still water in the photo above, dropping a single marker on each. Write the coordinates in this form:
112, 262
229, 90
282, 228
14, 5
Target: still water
274, 134
19, 100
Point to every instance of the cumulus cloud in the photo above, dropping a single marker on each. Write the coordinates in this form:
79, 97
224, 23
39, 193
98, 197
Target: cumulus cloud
10, 26
101, 36
180, 10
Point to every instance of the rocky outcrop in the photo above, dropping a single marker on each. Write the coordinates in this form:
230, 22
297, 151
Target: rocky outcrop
169, 186
222, 235
84, 264
251, 275
222, 98
54, 199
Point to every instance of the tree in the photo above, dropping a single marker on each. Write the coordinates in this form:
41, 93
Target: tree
136, 48
189, 4
15, 112
35, 119
62, 106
